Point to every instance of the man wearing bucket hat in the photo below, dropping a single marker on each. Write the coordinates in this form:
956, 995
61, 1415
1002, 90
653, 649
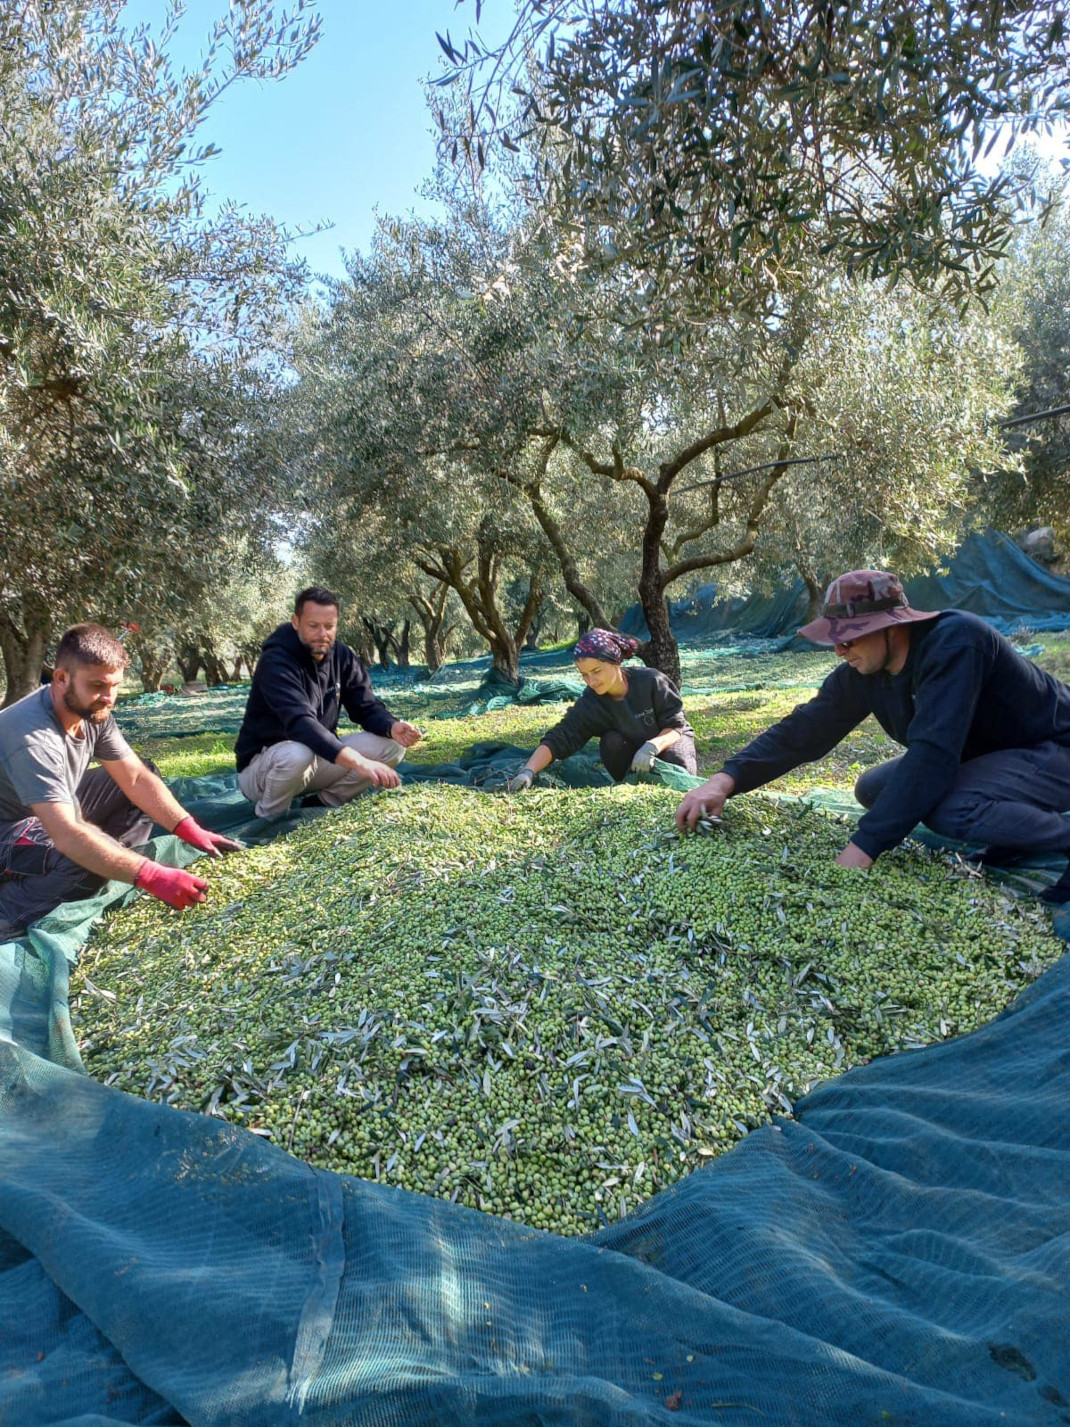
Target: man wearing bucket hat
986, 733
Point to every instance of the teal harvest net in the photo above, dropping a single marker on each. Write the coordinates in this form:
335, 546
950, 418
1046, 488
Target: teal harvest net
898, 1251
988, 575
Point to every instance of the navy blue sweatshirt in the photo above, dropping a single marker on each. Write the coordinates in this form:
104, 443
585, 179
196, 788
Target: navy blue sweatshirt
964, 691
651, 703
294, 697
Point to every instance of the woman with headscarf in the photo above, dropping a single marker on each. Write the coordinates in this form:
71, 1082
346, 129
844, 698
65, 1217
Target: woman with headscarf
636, 714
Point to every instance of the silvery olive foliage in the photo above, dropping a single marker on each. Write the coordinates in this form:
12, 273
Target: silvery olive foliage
470, 365
456, 387
909, 398
130, 312
389, 606
217, 635
1031, 485
414, 401
705, 146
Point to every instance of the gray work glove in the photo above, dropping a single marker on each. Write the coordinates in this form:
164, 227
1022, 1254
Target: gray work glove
643, 762
521, 781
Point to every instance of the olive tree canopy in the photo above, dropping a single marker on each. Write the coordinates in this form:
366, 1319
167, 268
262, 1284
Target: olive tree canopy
713, 145
134, 323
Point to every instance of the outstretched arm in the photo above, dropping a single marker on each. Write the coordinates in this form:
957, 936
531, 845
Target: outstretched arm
85, 844
146, 791
540, 759
94, 850
151, 794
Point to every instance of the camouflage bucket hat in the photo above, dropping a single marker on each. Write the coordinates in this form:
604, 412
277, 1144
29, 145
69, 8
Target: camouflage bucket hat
861, 602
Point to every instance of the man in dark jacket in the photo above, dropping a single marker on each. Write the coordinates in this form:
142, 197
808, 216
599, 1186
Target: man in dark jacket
987, 733
287, 745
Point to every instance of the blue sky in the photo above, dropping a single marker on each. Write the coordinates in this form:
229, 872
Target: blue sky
347, 132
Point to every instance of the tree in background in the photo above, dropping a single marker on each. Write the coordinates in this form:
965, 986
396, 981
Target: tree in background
1033, 488
723, 164
909, 397
221, 631
381, 589
129, 317
409, 417
470, 354
448, 391
713, 149
224, 629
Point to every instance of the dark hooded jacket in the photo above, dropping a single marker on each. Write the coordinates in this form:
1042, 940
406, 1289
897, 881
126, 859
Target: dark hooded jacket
651, 704
963, 692
294, 697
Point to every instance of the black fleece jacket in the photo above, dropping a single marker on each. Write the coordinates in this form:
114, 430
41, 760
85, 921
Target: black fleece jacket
294, 697
651, 703
964, 691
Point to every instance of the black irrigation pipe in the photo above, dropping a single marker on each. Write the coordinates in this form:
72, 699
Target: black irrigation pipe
768, 466
1035, 416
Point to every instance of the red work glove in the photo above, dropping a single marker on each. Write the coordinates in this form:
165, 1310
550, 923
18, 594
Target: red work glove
171, 884
214, 843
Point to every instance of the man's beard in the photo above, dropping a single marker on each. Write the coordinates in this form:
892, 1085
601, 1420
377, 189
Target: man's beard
91, 715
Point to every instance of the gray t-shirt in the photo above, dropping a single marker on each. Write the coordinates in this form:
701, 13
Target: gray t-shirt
40, 762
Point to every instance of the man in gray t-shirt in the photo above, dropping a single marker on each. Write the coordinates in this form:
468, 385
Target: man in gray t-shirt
66, 829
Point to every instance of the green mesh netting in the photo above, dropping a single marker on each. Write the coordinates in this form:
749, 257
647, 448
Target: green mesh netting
497, 691
988, 575
466, 689
896, 1252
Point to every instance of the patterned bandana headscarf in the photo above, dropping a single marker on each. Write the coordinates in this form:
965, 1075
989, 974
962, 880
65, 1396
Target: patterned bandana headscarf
605, 644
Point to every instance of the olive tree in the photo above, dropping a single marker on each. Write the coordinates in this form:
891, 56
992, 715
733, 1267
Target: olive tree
402, 436
718, 148
129, 315
459, 360
908, 398
222, 630
383, 592
1031, 484
451, 386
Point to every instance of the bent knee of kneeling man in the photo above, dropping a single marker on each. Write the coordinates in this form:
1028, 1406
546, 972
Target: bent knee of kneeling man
289, 757
960, 815
393, 752
867, 788
870, 784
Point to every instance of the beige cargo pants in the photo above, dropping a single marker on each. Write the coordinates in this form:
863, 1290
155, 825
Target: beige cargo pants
287, 770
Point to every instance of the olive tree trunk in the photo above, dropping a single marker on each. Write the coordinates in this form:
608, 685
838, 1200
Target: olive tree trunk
24, 650
153, 665
431, 612
479, 595
215, 671
188, 658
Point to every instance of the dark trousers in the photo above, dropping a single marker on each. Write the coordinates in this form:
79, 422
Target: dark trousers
617, 754
1016, 798
35, 878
